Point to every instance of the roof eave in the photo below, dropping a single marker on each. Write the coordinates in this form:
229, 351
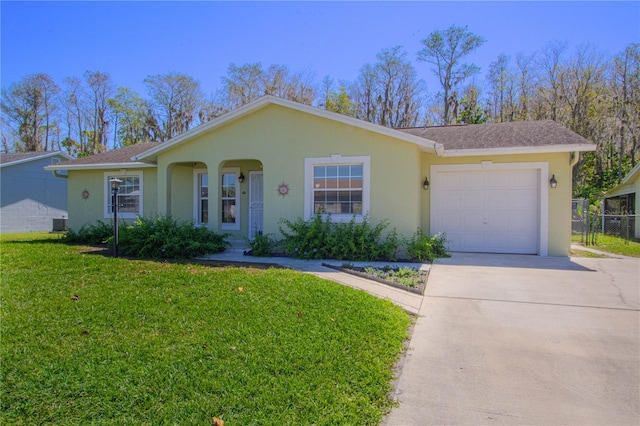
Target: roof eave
101, 166
39, 157
519, 150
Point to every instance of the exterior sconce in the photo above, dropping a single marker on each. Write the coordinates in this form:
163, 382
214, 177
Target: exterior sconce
553, 182
241, 177
425, 184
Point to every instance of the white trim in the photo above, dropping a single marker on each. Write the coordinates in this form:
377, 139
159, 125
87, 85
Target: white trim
518, 150
425, 144
337, 159
102, 166
196, 195
543, 174
108, 194
229, 226
36, 158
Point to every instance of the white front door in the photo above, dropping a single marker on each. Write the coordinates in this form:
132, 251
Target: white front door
493, 211
256, 203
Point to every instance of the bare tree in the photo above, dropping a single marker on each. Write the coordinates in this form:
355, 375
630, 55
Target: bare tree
100, 90
27, 106
175, 100
388, 92
446, 50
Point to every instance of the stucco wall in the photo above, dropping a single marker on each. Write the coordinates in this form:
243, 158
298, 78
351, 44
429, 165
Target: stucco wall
262, 138
88, 210
559, 206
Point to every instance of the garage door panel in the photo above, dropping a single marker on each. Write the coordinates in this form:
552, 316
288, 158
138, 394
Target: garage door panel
488, 210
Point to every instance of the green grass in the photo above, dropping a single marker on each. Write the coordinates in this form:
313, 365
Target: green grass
611, 244
87, 339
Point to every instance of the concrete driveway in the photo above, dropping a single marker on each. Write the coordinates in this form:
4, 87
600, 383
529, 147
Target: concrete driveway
509, 339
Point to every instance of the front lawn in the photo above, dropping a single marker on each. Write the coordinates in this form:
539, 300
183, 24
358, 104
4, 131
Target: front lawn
87, 339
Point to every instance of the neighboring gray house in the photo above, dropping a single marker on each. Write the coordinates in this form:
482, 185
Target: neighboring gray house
31, 197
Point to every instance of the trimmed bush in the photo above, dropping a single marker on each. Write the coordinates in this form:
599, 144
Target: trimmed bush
262, 245
98, 233
322, 239
168, 238
421, 247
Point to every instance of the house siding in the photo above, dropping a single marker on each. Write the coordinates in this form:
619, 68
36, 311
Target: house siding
31, 197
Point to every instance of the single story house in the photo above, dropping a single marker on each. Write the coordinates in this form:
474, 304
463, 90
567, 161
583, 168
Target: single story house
503, 188
624, 199
30, 197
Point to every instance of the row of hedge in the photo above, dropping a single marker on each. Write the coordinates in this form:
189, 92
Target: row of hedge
319, 238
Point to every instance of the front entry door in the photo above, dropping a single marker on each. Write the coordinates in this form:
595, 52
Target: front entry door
256, 201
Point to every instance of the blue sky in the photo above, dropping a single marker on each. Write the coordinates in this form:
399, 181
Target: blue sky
131, 40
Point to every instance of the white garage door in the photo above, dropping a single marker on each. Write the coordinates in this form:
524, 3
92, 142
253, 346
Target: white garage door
494, 211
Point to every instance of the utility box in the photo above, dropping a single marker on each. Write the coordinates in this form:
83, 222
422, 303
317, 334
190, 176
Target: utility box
59, 225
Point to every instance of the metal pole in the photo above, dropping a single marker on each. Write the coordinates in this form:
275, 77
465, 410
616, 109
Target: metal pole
115, 222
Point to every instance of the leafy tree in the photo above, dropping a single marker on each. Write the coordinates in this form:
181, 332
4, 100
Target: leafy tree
446, 50
131, 117
472, 112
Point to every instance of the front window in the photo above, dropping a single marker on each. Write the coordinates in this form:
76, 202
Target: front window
338, 186
203, 198
230, 200
337, 189
129, 195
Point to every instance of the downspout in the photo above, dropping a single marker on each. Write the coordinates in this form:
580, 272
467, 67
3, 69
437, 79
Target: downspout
56, 174
439, 149
574, 157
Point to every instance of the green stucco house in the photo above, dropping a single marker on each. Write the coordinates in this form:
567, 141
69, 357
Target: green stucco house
488, 186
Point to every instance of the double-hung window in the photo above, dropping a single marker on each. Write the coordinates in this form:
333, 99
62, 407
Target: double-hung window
337, 186
230, 199
201, 207
129, 195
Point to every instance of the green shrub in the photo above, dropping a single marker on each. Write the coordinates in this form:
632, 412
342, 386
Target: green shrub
323, 239
262, 245
421, 247
98, 233
169, 238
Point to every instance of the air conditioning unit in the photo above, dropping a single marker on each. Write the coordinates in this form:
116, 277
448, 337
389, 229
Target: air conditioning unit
59, 225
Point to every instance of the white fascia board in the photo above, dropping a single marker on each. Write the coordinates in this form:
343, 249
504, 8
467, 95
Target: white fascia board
518, 150
424, 144
101, 166
39, 157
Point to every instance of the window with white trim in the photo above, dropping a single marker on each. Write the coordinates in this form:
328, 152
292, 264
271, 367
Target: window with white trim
129, 195
337, 186
230, 199
202, 198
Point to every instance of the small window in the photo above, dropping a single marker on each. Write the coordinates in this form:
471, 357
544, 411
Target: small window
129, 195
203, 198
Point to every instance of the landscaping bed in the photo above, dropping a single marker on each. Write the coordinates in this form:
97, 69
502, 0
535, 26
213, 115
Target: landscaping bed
403, 278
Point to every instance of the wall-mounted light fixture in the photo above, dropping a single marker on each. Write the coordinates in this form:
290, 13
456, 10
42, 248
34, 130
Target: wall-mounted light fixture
553, 182
241, 177
425, 184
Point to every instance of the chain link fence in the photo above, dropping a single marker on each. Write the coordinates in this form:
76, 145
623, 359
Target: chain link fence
588, 223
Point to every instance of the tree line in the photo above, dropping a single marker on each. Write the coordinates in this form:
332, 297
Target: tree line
593, 94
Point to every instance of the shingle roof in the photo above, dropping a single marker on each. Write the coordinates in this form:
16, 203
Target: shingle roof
17, 156
500, 135
116, 156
